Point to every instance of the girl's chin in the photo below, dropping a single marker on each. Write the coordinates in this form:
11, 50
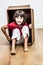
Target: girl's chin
19, 23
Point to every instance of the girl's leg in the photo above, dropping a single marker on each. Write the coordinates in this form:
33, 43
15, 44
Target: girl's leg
15, 37
25, 33
13, 46
26, 43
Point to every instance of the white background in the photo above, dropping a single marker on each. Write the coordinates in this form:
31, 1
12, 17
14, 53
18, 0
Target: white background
37, 5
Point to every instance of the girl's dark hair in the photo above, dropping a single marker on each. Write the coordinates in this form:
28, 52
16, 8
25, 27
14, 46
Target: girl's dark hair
19, 13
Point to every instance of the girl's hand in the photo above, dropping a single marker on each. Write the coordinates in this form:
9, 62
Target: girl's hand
30, 26
8, 38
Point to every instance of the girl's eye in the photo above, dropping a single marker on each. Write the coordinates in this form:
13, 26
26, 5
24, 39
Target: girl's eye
20, 17
17, 17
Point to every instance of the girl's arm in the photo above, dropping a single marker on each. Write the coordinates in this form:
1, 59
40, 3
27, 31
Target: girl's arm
3, 28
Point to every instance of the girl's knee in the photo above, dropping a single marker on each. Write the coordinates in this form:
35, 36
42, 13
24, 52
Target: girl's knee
16, 34
25, 31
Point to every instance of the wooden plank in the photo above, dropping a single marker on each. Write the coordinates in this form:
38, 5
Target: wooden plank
32, 21
18, 7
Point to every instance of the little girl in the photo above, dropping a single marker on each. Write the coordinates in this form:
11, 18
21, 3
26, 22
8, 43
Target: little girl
20, 30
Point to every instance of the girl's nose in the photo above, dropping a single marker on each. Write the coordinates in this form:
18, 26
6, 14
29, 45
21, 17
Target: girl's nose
19, 17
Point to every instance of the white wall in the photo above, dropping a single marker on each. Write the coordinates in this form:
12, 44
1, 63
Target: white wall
35, 4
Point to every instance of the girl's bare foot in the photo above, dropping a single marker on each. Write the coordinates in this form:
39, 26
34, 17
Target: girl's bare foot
26, 49
13, 52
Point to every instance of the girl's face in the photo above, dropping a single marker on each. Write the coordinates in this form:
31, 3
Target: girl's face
19, 20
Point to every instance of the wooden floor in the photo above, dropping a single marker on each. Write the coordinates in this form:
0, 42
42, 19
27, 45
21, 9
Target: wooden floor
33, 57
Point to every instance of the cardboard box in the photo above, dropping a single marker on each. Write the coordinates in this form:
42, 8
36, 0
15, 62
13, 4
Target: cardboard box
29, 15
